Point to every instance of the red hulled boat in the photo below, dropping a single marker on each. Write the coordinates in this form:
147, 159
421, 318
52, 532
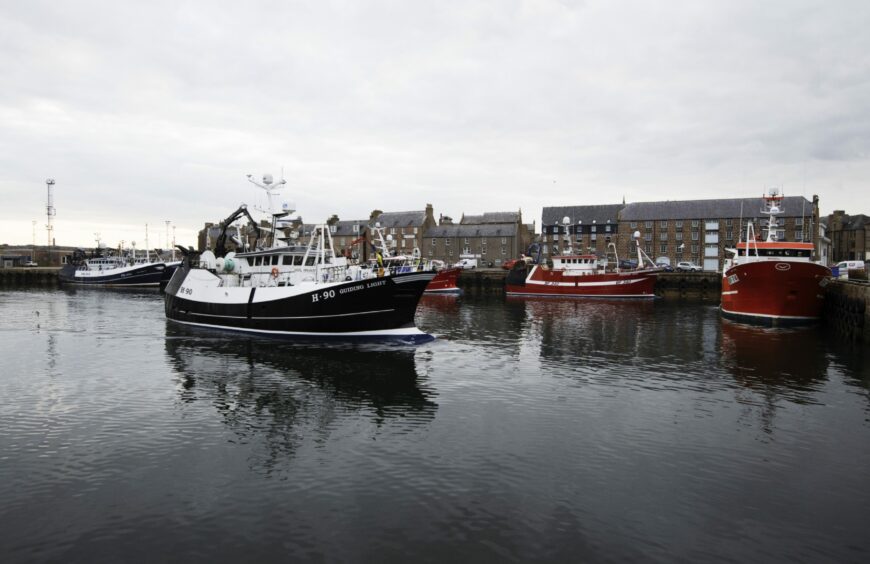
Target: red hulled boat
444, 281
772, 282
584, 276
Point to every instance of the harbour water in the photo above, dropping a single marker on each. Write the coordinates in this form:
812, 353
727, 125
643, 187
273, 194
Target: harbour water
528, 430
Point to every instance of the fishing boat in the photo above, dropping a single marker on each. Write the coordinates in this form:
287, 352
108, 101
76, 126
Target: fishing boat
584, 275
770, 281
445, 281
446, 277
282, 288
113, 270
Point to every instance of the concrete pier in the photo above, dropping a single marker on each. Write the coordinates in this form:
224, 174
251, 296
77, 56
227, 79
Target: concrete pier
29, 277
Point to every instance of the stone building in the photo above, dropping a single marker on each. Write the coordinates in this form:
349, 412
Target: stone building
688, 230
586, 229
405, 229
492, 237
850, 236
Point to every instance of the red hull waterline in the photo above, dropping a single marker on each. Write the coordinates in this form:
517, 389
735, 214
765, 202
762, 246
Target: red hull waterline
554, 283
774, 292
444, 282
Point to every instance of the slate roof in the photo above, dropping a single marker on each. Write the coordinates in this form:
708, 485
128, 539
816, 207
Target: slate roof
793, 206
402, 219
345, 228
484, 230
490, 217
855, 222
586, 214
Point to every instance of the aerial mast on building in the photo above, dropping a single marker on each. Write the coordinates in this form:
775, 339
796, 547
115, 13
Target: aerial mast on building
49, 210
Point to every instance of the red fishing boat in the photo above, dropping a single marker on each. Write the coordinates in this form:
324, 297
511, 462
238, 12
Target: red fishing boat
772, 282
444, 281
574, 275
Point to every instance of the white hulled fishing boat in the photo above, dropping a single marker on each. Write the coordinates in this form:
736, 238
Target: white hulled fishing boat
293, 290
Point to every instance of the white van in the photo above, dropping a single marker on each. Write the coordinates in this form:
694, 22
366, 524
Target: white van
467, 263
847, 265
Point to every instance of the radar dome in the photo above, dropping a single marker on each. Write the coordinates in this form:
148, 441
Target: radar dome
267, 178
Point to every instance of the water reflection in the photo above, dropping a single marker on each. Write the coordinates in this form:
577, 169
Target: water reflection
572, 329
282, 393
773, 366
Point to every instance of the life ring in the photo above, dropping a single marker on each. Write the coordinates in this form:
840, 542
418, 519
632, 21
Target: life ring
274, 272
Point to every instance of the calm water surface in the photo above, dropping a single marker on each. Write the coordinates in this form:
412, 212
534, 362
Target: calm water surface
528, 430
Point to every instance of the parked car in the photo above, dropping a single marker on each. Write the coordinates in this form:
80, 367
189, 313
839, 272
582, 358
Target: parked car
628, 264
686, 266
666, 266
30, 263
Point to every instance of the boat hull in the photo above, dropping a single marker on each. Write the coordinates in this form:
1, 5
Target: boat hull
541, 282
445, 282
376, 307
774, 292
144, 275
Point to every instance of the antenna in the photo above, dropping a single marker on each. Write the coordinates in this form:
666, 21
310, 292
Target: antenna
50, 212
270, 191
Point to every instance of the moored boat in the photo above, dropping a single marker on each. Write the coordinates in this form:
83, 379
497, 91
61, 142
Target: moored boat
584, 275
445, 281
295, 291
770, 281
113, 270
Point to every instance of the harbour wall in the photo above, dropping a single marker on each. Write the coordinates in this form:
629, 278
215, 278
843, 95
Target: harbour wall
29, 277
846, 311
694, 286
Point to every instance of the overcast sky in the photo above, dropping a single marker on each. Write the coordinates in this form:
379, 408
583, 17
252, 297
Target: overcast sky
151, 111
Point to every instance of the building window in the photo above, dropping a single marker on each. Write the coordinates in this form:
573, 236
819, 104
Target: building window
431, 252
648, 224
483, 251
594, 228
633, 225
648, 249
729, 235
447, 241
798, 235
449, 252
663, 248
678, 224
648, 237
798, 222
694, 236
607, 228
679, 236
663, 236
695, 223
415, 231
392, 230
503, 251
593, 237
694, 249
780, 234
332, 228
433, 242
729, 222
466, 240
663, 224
504, 240
356, 228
